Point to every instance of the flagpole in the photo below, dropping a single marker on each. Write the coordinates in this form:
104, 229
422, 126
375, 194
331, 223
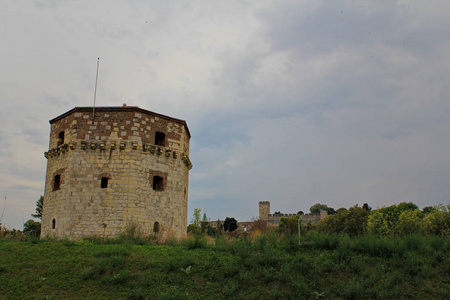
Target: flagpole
95, 91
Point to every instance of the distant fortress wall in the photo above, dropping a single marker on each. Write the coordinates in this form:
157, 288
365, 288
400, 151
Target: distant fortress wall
274, 219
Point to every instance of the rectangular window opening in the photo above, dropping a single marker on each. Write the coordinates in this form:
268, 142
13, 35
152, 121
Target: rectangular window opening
158, 183
57, 182
160, 139
60, 139
104, 183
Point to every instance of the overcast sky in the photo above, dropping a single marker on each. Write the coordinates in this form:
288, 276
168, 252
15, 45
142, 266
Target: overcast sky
292, 102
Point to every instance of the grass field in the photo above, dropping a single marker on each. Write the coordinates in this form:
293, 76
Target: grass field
264, 267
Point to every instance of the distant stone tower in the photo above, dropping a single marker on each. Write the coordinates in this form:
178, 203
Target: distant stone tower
113, 169
264, 210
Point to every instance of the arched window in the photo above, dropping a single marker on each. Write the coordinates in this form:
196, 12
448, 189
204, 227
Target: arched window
53, 224
60, 139
156, 227
160, 139
158, 183
57, 182
104, 182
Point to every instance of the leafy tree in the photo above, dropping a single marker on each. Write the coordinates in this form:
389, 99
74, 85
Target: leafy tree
211, 231
288, 225
367, 207
352, 221
230, 224
207, 228
32, 227
192, 229
300, 213
277, 213
409, 222
316, 208
197, 219
406, 206
437, 222
427, 209
195, 227
387, 221
39, 208
219, 227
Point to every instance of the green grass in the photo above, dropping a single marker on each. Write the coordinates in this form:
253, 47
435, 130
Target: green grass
267, 267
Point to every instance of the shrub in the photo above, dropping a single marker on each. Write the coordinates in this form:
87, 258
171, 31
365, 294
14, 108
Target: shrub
137, 294
323, 241
289, 225
197, 241
230, 224
437, 222
120, 278
409, 222
259, 226
379, 246
404, 218
230, 288
352, 222
32, 228
89, 273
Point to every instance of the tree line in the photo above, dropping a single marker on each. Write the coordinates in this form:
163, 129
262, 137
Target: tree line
398, 219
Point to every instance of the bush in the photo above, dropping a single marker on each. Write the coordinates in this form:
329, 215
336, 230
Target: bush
259, 226
437, 222
404, 218
409, 222
32, 227
120, 278
379, 246
137, 294
230, 224
352, 222
288, 225
197, 241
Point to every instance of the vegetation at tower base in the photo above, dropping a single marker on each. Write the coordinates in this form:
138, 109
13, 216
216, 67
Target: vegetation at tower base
260, 266
32, 227
39, 208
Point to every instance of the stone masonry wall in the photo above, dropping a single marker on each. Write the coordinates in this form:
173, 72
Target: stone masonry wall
118, 144
274, 219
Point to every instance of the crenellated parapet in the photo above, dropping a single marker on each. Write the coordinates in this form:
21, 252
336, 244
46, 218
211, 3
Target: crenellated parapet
119, 146
59, 150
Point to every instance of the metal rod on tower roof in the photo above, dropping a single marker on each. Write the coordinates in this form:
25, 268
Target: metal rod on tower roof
95, 91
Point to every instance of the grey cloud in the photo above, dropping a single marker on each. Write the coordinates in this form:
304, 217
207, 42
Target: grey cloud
291, 102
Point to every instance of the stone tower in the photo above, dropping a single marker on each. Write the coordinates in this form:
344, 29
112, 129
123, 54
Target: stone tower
264, 210
113, 169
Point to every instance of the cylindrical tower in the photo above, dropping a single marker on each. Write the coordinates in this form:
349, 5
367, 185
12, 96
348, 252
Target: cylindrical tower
118, 169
